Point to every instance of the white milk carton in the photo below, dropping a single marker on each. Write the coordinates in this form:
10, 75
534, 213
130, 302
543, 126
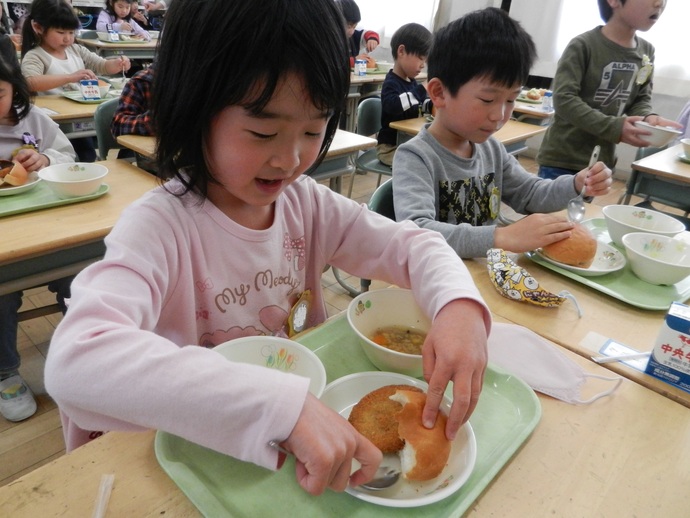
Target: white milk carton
670, 359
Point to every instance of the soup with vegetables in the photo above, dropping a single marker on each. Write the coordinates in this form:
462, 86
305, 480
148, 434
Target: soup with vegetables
400, 338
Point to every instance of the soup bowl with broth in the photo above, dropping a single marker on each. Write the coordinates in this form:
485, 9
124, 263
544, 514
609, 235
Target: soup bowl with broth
391, 327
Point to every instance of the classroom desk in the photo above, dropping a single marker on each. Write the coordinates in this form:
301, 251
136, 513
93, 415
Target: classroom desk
662, 177
336, 164
624, 455
145, 50
44, 245
602, 314
532, 113
512, 135
75, 119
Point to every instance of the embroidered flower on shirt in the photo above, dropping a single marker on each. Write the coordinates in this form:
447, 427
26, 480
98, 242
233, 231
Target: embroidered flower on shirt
29, 140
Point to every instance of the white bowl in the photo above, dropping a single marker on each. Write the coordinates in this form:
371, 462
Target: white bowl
657, 259
154, 34
280, 354
686, 146
74, 179
103, 88
373, 310
622, 219
384, 66
661, 135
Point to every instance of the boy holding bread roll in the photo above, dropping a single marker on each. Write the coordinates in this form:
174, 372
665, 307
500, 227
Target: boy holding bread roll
453, 176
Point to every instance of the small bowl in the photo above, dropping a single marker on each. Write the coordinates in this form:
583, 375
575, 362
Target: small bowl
74, 179
623, 219
661, 135
686, 146
154, 34
277, 353
373, 310
384, 66
657, 259
103, 87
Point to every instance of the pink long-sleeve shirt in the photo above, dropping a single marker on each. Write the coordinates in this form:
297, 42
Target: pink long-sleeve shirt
178, 274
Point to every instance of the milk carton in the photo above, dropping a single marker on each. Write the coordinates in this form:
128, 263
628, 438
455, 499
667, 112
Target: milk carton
670, 359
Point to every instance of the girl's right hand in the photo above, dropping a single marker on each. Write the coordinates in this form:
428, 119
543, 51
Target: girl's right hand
324, 444
80, 75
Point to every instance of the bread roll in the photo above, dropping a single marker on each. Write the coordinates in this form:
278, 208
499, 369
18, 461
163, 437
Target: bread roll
426, 451
15, 175
371, 62
577, 250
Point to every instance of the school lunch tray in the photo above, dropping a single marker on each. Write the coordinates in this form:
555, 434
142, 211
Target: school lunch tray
623, 285
218, 485
41, 197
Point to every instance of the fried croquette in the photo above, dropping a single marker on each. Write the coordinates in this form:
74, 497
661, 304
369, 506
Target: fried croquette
375, 417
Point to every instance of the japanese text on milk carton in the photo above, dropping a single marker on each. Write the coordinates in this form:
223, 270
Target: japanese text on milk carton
670, 359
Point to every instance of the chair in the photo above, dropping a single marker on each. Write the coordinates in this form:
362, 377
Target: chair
369, 123
381, 202
103, 117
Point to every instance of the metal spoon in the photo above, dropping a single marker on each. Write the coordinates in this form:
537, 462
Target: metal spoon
576, 206
385, 476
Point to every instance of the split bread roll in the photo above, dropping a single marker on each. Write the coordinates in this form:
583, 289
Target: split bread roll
14, 175
426, 451
577, 250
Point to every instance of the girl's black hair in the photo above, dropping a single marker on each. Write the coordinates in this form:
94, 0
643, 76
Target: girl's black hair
49, 14
350, 11
11, 72
110, 9
482, 44
605, 10
235, 52
415, 37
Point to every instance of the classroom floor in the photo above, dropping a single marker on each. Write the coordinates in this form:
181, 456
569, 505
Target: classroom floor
27, 445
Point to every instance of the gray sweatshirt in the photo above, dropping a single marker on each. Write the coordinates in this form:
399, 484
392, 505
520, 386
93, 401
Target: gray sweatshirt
461, 197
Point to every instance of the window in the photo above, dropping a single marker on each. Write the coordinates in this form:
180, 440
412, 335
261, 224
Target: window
386, 16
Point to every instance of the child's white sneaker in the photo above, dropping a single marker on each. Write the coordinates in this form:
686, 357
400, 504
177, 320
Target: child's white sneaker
16, 399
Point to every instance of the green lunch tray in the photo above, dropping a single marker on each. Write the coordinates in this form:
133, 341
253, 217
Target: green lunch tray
218, 485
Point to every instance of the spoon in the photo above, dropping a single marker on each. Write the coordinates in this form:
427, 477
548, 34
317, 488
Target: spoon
576, 206
385, 476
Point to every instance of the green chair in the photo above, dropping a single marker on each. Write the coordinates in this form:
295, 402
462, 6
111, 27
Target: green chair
381, 202
369, 124
103, 118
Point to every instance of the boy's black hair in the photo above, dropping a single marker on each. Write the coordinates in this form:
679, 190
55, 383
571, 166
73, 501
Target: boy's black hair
11, 72
350, 11
234, 52
415, 37
482, 44
110, 8
605, 9
49, 14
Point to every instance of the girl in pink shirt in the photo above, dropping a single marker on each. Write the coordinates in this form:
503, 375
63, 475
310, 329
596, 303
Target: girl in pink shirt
245, 110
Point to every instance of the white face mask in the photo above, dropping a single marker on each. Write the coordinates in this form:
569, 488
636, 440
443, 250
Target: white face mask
540, 364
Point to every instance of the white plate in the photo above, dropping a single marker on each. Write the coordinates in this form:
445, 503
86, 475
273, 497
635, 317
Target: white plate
344, 393
33, 182
607, 260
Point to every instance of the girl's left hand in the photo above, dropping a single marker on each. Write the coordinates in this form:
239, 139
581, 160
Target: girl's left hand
371, 45
31, 159
125, 27
455, 350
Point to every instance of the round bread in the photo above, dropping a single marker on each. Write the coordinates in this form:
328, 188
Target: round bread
426, 450
16, 175
371, 62
375, 417
577, 250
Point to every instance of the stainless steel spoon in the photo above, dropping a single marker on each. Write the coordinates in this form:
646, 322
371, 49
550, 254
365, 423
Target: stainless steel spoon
385, 477
576, 206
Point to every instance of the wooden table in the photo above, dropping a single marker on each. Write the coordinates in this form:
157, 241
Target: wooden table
44, 245
145, 50
512, 135
624, 455
602, 314
336, 164
661, 177
75, 119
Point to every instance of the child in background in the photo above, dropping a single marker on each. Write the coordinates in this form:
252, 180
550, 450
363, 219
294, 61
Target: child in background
188, 265
453, 176
30, 137
139, 16
118, 15
401, 96
358, 40
603, 85
53, 62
